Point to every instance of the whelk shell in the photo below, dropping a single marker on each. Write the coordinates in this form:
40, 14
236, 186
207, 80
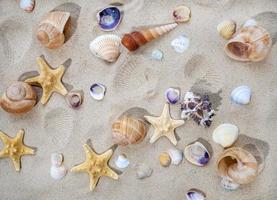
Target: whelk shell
226, 29
106, 47
197, 154
195, 194
27, 5
97, 91
109, 18
226, 134
176, 156
181, 13
180, 44
172, 95
241, 95
164, 159
143, 170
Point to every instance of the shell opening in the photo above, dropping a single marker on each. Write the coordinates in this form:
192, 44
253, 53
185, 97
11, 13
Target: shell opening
239, 49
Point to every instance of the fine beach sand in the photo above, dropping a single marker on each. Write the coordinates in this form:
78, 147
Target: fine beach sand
137, 81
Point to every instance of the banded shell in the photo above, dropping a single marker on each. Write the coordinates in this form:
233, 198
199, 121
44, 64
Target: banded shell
50, 31
181, 13
128, 130
241, 95
226, 29
106, 47
225, 135
143, 171
176, 156
195, 194
172, 95
164, 159
180, 44
197, 154
109, 18
27, 5
237, 164
122, 161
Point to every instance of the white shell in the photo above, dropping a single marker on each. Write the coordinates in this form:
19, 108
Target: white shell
228, 184
241, 95
56, 159
197, 154
106, 47
250, 22
143, 170
122, 161
226, 134
180, 44
97, 91
194, 194
157, 54
58, 173
176, 156
27, 5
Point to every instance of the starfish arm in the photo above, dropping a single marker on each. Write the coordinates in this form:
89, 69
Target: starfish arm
46, 94
171, 137
59, 88
110, 173
43, 66
20, 135
16, 162
59, 71
4, 137
151, 120
155, 136
166, 112
3, 154
28, 150
89, 152
83, 167
34, 80
93, 182
107, 155
177, 123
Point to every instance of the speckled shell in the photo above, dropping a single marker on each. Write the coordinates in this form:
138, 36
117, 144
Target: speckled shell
128, 131
251, 43
226, 29
51, 29
238, 164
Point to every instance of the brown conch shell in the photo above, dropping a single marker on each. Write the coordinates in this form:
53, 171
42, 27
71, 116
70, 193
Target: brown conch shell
128, 130
251, 43
238, 164
132, 41
18, 98
51, 29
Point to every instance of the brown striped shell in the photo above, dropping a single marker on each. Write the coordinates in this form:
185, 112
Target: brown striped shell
128, 130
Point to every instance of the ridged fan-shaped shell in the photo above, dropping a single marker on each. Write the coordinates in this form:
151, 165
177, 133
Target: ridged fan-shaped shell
226, 29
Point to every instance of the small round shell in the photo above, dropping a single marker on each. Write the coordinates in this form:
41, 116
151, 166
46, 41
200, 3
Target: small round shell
197, 154
122, 161
225, 135
157, 54
58, 173
164, 159
97, 91
241, 95
181, 13
56, 159
27, 5
143, 170
172, 95
176, 156
226, 29
180, 44
74, 99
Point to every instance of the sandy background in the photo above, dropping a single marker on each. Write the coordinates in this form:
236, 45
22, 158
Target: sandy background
136, 81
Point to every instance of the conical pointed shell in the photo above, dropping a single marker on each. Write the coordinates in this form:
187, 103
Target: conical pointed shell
251, 43
128, 131
106, 47
136, 39
238, 164
51, 29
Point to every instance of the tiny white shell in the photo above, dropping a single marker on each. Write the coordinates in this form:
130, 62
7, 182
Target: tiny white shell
58, 173
250, 22
180, 44
56, 159
122, 161
241, 95
27, 5
176, 156
195, 194
226, 134
157, 54
228, 184
143, 170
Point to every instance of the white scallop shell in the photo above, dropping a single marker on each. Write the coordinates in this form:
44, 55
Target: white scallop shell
106, 47
250, 22
157, 54
122, 161
241, 95
226, 134
58, 173
27, 5
143, 170
176, 156
228, 184
180, 44
56, 159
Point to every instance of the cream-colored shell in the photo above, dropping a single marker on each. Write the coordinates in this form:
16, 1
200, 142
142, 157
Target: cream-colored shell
51, 29
164, 159
226, 29
225, 134
251, 43
106, 47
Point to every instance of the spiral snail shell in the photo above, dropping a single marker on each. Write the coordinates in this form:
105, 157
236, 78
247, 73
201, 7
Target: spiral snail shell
18, 98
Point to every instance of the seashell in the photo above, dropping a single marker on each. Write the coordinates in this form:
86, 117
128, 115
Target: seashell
176, 156
157, 54
181, 13
241, 95
106, 47
226, 134
251, 43
195, 194
143, 170
226, 29
56, 159
197, 154
238, 164
164, 159
58, 173
228, 184
51, 29
27, 5
180, 44
128, 130
109, 18
122, 161
137, 39
117, 2
97, 91
75, 99
172, 95
250, 22
18, 98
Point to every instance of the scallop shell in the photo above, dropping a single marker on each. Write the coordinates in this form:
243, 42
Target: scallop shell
251, 43
195, 194
51, 29
176, 156
27, 5
122, 161
106, 47
238, 164
164, 159
197, 154
143, 170
172, 95
228, 184
181, 13
58, 173
180, 44
109, 18
226, 29
128, 131
226, 134
241, 95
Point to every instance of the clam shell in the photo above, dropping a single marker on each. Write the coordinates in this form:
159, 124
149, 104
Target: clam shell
157, 54
164, 159
106, 47
109, 18
27, 5
181, 13
122, 161
241, 95
195, 194
172, 95
180, 44
176, 156
58, 173
226, 29
97, 91
143, 170
228, 184
225, 135
197, 154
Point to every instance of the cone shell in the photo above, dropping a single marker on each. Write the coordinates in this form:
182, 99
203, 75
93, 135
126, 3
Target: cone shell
51, 29
136, 39
251, 43
128, 131
237, 164
226, 29
106, 47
